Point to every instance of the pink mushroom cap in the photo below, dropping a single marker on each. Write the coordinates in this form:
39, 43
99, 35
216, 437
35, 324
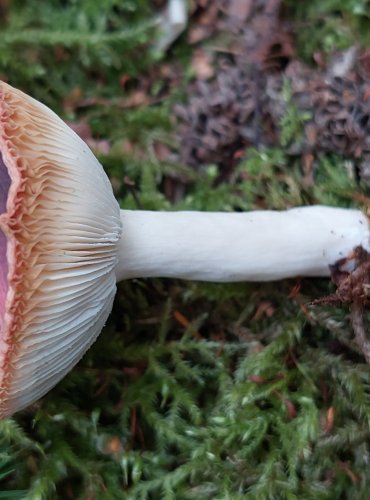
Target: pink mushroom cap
59, 230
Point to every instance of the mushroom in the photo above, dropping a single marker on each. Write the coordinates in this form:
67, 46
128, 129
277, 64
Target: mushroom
63, 249
59, 230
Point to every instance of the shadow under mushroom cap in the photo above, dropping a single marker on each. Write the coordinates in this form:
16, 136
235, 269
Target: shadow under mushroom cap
59, 229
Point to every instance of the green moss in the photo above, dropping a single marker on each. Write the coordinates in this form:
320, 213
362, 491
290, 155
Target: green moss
329, 25
193, 390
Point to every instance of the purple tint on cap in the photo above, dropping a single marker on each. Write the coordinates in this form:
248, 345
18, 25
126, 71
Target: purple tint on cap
3, 275
4, 185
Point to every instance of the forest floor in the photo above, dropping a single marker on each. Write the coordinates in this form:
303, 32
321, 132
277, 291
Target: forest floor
196, 390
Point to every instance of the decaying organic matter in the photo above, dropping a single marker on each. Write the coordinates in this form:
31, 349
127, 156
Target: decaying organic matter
351, 275
244, 104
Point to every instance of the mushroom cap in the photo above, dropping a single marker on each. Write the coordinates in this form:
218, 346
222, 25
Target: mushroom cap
59, 229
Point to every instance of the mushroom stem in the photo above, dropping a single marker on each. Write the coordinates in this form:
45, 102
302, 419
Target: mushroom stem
250, 246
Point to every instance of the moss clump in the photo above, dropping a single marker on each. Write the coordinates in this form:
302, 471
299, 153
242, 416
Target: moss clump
193, 390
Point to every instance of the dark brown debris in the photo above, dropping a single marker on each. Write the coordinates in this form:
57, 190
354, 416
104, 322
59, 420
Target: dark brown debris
241, 104
351, 275
352, 278
219, 119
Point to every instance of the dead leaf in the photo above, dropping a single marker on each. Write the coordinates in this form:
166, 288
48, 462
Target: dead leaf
257, 379
265, 308
113, 446
82, 129
99, 146
135, 99
162, 152
71, 101
184, 322
201, 63
346, 468
329, 420
240, 9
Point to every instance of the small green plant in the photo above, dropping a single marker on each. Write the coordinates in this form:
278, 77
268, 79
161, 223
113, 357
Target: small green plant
293, 120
